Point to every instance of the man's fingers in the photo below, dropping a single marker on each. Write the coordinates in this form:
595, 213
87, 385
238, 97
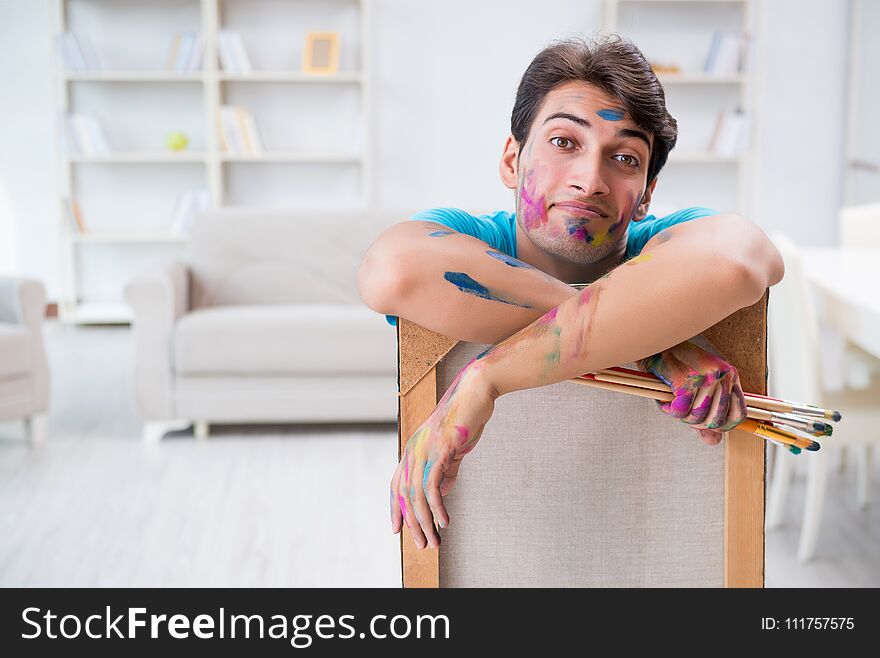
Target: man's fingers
431, 488
421, 507
738, 410
396, 512
710, 437
704, 400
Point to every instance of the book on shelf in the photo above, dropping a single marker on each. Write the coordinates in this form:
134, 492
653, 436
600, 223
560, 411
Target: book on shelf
82, 133
73, 214
187, 51
728, 53
187, 206
233, 56
238, 131
731, 134
75, 52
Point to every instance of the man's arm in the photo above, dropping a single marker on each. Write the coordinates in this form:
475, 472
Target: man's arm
686, 279
454, 284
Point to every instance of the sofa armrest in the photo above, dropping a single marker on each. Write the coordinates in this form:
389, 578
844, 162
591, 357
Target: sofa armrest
158, 298
23, 302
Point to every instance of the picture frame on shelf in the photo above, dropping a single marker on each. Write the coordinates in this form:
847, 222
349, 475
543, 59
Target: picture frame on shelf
321, 54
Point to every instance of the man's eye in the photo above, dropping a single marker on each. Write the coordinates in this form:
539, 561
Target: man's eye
629, 159
563, 139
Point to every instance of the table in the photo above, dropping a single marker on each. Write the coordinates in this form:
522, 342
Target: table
847, 284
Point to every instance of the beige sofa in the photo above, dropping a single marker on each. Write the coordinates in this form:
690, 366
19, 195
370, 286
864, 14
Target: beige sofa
24, 369
261, 322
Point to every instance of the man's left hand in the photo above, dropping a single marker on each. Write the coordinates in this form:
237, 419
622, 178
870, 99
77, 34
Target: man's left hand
708, 394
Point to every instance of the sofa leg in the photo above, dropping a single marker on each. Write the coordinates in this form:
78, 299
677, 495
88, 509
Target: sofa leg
153, 431
200, 429
35, 429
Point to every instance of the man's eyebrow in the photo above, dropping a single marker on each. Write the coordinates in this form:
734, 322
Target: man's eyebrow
571, 117
623, 132
629, 132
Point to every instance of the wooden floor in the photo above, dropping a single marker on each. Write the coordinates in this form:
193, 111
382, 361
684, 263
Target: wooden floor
257, 506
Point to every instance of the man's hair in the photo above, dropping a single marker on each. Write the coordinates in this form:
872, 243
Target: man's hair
614, 65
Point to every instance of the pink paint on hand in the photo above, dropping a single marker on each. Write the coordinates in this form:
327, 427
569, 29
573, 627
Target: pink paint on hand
406, 472
402, 504
463, 433
703, 409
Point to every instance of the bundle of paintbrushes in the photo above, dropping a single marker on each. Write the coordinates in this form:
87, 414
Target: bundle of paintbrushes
766, 416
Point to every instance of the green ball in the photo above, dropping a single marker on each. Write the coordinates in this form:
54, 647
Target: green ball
177, 141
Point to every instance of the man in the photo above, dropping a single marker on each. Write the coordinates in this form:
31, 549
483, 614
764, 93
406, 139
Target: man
589, 133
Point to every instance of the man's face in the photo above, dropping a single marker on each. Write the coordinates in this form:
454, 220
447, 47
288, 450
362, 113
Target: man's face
581, 176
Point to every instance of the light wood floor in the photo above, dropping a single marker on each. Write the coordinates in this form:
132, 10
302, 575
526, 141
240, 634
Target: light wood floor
257, 506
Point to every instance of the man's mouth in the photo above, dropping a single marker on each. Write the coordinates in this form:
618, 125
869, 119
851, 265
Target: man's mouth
581, 209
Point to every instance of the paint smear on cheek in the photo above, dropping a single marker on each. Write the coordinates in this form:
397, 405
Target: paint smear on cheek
532, 203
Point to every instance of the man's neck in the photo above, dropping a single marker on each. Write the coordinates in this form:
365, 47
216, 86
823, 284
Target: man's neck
528, 252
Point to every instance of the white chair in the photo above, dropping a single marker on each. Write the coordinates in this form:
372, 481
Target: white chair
24, 369
795, 374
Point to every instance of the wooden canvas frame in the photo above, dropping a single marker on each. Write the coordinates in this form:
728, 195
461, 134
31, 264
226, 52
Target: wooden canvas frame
742, 338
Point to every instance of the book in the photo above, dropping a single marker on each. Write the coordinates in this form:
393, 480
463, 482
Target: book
238, 131
233, 56
82, 133
730, 137
73, 214
184, 52
187, 206
726, 53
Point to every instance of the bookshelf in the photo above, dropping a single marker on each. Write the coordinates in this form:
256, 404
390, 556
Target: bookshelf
128, 193
706, 167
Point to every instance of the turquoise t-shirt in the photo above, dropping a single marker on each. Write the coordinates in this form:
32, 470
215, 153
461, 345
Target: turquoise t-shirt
498, 229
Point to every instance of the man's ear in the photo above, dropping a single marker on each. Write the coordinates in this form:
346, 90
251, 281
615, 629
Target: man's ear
642, 210
509, 166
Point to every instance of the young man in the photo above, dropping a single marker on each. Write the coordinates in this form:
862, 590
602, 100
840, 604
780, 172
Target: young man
589, 133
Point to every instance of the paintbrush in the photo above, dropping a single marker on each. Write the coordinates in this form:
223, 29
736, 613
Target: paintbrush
759, 428
813, 427
752, 399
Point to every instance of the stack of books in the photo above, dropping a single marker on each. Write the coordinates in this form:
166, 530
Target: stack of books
238, 131
186, 54
188, 205
728, 53
81, 133
233, 57
76, 53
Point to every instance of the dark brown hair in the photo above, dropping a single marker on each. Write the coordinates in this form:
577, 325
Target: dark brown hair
614, 65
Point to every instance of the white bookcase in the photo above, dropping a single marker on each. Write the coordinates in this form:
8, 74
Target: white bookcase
680, 32
314, 127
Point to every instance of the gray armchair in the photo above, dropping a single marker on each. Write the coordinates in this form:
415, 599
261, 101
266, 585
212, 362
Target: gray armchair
24, 369
261, 322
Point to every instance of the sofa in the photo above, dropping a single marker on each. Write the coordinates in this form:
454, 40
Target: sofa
260, 321
24, 368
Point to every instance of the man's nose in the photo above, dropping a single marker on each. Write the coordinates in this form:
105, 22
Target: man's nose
588, 175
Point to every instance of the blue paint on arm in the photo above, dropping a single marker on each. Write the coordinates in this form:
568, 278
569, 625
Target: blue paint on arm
509, 260
466, 284
440, 234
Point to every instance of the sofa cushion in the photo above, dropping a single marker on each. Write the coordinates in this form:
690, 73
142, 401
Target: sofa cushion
248, 256
284, 339
15, 355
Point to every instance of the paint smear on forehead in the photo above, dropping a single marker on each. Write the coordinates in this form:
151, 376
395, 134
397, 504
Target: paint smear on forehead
611, 114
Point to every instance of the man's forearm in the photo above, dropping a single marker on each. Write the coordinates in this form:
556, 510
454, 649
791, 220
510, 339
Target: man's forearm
459, 286
674, 290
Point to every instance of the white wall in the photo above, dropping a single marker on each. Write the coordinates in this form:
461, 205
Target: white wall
445, 75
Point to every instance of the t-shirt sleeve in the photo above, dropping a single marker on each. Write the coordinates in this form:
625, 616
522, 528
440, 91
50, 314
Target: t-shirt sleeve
641, 232
492, 229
